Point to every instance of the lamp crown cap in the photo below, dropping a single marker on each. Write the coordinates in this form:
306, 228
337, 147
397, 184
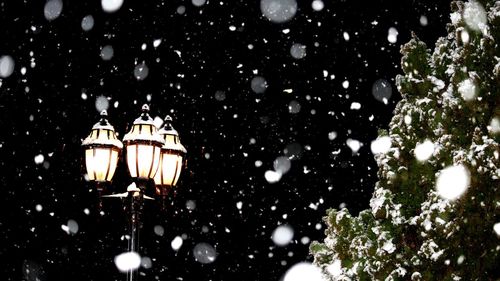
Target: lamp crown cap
168, 124
145, 112
104, 120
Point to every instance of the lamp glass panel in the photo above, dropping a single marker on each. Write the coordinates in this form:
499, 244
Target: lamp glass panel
179, 168
148, 160
169, 165
101, 162
89, 163
131, 159
159, 173
113, 164
169, 172
156, 162
98, 162
145, 159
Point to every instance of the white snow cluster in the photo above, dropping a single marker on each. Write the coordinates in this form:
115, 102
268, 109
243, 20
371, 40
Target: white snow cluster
141, 71
278, 11
298, 51
159, 230
281, 165
107, 52
258, 84
198, 3
204, 253
71, 227
452, 182
423, 151
39, 159
392, 35
494, 126
355, 105
101, 103
52, 9
303, 271
423, 20
354, 145
389, 247
474, 16
317, 5
335, 268
282, 235
272, 176
176, 243
111, 6
127, 261
467, 89
430, 250
382, 90
381, 145
496, 228
6, 66
87, 23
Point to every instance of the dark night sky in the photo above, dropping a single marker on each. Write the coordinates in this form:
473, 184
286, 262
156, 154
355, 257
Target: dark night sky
43, 112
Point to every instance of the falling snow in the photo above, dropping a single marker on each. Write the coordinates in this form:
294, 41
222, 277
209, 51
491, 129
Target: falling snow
282, 235
127, 261
452, 182
39, 159
88, 23
381, 145
111, 6
354, 145
52, 9
423, 151
392, 35
176, 243
278, 11
6, 66
298, 51
204, 253
303, 271
274, 102
258, 84
467, 89
475, 16
318, 5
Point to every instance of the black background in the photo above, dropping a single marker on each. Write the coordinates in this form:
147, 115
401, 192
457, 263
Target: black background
51, 118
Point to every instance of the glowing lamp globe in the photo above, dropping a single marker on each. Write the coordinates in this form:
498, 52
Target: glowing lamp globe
102, 150
143, 146
172, 155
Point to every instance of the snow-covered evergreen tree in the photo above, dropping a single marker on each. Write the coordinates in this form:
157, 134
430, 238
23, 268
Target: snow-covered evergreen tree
435, 212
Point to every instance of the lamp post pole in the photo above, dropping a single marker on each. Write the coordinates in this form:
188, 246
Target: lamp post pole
135, 212
151, 154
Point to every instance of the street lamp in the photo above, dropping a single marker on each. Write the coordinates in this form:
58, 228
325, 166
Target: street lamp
102, 150
171, 159
150, 155
143, 144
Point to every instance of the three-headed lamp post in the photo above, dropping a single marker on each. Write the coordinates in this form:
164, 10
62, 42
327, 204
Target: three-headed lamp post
152, 155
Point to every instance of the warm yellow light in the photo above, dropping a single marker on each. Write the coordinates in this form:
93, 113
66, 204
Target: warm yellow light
171, 166
101, 163
172, 156
143, 147
102, 150
143, 160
